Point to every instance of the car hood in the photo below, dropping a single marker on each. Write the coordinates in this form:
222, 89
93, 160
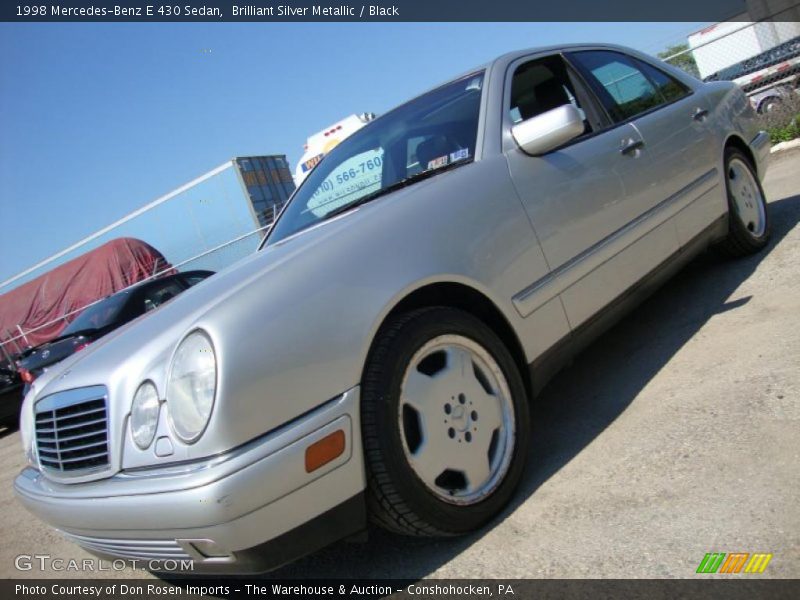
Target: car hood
159, 331
156, 333
142, 349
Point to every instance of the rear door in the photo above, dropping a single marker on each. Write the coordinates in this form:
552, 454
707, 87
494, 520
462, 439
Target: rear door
680, 155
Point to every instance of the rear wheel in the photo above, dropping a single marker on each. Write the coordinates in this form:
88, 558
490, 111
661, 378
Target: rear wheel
768, 105
747, 207
445, 423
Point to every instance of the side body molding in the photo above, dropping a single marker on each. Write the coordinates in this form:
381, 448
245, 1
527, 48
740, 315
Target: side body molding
541, 291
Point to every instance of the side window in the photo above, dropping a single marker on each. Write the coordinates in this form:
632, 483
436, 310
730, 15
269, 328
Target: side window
544, 84
625, 89
671, 89
541, 85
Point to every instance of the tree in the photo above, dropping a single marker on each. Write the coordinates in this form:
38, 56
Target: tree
684, 61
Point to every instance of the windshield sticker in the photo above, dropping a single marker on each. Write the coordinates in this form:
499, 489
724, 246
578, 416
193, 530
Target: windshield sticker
438, 162
459, 155
312, 162
359, 175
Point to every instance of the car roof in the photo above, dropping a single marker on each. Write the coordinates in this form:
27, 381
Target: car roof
504, 59
509, 57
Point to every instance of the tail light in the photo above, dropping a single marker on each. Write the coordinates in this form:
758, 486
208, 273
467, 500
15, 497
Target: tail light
26, 375
81, 346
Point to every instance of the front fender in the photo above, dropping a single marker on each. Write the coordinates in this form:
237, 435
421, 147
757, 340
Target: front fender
300, 335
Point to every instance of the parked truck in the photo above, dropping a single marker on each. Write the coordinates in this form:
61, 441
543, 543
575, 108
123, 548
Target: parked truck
322, 142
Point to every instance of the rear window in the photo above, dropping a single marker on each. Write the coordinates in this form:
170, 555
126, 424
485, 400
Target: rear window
98, 315
158, 295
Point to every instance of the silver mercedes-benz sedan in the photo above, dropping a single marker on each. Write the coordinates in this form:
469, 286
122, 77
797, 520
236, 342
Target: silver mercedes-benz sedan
375, 359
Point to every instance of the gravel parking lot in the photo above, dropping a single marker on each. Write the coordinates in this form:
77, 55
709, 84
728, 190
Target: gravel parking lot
675, 434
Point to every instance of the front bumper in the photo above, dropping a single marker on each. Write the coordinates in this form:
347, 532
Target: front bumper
248, 510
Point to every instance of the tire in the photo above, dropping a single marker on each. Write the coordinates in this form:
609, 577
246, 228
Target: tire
748, 217
406, 440
768, 105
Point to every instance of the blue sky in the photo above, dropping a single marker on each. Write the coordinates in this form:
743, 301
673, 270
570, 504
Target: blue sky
99, 119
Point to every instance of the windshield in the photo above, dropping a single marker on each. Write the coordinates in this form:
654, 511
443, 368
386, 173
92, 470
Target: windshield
436, 130
97, 315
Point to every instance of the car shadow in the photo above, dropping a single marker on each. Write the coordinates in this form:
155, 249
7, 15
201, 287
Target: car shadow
10, 403
576, 407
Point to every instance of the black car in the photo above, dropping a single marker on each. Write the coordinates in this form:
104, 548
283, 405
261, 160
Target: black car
105, 316
10, 395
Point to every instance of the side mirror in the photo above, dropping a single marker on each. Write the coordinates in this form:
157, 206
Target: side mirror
549, 130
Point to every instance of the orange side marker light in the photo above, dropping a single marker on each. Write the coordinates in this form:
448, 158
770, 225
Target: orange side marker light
323, 451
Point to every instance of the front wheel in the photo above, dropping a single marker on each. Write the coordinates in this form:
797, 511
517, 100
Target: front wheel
748, 230
445, 423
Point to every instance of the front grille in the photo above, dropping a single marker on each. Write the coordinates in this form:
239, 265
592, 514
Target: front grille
72, 431
129, 548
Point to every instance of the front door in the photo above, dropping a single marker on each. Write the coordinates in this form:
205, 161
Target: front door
584, 198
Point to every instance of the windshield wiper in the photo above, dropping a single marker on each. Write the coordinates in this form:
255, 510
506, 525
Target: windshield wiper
392, 187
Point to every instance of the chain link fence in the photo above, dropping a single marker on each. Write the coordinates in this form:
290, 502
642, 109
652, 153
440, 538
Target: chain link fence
758, 50
14, 343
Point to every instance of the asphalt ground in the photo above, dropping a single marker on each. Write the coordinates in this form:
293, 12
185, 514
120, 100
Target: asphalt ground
675, 434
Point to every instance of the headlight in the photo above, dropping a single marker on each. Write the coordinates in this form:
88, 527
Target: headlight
144, 415
191, 386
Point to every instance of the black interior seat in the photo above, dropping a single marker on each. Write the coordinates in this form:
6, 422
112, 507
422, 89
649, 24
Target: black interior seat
550, 94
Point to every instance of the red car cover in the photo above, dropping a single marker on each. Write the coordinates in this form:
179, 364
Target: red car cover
91, 276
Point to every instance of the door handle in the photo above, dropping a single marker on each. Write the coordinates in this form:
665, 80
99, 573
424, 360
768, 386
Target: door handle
631, 145
700, 114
